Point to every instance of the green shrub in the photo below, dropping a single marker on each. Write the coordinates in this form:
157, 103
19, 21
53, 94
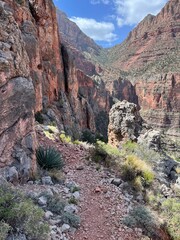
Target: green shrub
4, 228
77, 142
134, 167
108, 149
49, 158
56, 205
71, 219
103, 153
39, 117
171, 212
65, 139
18, 212
141, 217
130, 146
88, 136
74, 189
49, 135
73, 200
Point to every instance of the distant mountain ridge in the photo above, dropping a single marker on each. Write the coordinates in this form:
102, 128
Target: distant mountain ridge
72, 34
154, 38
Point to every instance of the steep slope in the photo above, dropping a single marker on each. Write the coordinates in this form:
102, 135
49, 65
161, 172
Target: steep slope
154, 40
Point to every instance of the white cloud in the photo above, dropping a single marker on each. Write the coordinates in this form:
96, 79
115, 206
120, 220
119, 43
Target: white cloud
98, 31
99, 1
130, 12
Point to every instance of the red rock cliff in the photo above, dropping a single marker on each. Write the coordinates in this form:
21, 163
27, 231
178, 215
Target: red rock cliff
151, 58
17, 98
37, 72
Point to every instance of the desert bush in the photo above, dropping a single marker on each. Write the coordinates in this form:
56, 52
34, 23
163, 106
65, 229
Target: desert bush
4, 229
130, 146
137, 183
73, 200
74, 189
18, 212
49, 135
71, 219
56, 205
88, 136
65, 139
108, 149
77, 142
56, 175
103, 153
141, 151
141, 217
149, 155
134, 167
154, 200
171, 213
49, 158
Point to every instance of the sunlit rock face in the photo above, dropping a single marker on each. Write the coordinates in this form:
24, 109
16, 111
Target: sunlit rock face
150, 57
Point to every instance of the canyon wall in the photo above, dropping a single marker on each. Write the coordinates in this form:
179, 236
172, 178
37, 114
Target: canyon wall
38, 74
17, 98
150, 59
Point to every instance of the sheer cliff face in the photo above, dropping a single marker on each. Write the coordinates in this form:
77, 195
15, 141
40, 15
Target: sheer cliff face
17, 96
32, 74
37, 72
38, 25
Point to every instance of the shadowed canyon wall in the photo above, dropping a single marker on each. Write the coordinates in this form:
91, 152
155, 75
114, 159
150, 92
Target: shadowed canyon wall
37, 73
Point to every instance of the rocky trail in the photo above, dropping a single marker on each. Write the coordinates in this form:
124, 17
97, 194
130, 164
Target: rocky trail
102, 205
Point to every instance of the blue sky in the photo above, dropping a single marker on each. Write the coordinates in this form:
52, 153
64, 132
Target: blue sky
108, 22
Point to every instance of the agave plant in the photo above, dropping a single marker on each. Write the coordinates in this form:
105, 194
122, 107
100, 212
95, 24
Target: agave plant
49, 158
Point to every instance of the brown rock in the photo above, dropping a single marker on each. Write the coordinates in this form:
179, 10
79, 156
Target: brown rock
16, 97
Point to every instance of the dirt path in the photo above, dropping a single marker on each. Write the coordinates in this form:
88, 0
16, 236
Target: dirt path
102, 205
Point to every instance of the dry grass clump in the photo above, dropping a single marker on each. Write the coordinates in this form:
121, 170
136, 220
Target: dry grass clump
137, 171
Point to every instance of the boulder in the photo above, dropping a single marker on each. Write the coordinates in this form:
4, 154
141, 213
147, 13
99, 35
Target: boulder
125, 123
151, 138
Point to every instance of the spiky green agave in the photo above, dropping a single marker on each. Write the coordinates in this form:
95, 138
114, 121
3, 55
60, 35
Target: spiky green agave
49, 158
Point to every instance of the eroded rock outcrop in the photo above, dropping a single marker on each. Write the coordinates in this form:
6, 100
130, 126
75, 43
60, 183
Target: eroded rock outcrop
125, 123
